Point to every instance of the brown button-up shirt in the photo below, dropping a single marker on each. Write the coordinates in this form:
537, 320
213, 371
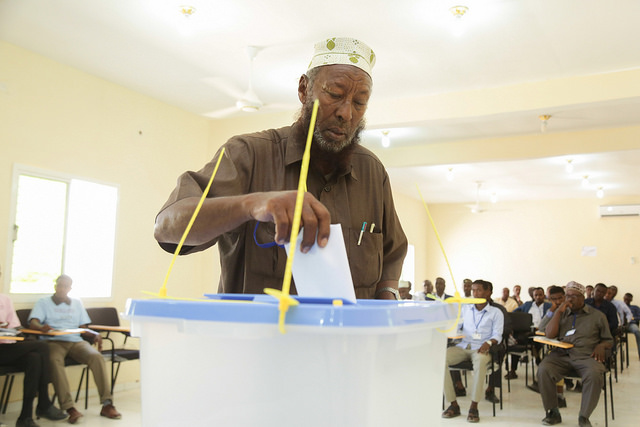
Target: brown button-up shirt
270, 161
591, 328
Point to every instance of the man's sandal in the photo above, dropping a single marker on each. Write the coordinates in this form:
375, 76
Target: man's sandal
451, 412
473, 416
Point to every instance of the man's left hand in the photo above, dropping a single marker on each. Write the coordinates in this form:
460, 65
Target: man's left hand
599, 353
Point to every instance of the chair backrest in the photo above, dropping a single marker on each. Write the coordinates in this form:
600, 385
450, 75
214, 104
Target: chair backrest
520, 321
107, 316
23, 315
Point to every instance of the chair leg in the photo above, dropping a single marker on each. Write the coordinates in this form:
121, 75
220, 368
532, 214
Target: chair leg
80, 384
626, 346
606, 418
86, 389
115, 377
84, 377
613, 412
6, 392
494, 390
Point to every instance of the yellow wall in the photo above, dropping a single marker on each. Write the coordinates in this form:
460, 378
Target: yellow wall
537, 244
59, 119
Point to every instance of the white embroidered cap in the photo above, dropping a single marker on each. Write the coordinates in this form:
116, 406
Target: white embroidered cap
343, 50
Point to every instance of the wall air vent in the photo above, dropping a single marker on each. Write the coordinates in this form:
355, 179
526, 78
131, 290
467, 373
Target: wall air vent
619, 210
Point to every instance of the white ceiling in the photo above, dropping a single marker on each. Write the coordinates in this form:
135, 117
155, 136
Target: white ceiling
146, 45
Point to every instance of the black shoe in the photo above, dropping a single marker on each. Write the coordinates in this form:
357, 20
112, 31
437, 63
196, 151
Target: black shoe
28, 422
584, 421
52, 413
461, 392
511, 375
491, 397
553, 417
562, 402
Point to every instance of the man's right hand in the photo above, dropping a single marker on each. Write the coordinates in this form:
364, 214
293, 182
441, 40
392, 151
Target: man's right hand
45, 328
278, 207
563, 307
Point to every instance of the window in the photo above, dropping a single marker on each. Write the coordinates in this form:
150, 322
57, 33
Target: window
62, 225
408, 267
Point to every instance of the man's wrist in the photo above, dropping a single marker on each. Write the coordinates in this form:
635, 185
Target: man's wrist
390, 290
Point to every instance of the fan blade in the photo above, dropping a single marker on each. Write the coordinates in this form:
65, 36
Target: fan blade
224, 86
220, 114
281, 107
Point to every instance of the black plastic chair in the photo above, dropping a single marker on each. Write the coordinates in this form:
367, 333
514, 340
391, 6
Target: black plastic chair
521, 323
108, 316
608, 364
8, 372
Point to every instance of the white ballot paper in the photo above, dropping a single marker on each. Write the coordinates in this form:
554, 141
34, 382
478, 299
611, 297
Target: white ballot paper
323, 272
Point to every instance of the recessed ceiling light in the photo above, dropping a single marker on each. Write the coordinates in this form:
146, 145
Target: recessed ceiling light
569, 166
544, 121
386, 141
187, 11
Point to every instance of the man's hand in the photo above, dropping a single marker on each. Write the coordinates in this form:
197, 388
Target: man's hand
484, 348
599, 353
35, 324
278, 207
563, 307
94, 337
46, 328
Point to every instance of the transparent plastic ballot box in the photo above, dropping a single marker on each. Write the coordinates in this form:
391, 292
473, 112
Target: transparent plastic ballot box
224, 362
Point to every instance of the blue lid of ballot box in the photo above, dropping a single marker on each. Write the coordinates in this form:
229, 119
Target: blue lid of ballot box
248, 308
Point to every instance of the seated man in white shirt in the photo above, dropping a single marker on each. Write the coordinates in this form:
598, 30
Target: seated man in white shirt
624, 313
481, 328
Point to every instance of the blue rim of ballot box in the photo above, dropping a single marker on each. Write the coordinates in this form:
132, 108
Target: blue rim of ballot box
321, 312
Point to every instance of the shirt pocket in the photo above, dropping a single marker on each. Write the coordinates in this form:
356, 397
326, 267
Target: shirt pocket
262, 243
365, 259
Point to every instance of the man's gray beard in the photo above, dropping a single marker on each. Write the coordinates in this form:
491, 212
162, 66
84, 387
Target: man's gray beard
323, 144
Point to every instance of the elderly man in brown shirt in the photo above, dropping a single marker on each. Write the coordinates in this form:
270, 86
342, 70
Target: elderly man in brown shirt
254, 188
587, 329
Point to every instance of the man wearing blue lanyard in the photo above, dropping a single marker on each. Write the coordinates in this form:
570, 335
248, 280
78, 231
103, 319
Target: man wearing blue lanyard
588, 330
481, 328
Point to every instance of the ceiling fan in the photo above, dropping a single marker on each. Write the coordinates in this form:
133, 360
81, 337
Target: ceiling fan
247, 101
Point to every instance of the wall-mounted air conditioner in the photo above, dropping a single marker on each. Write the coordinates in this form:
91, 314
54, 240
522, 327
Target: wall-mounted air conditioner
620, 210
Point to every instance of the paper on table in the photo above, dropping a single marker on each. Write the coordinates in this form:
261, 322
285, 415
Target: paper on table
323, 272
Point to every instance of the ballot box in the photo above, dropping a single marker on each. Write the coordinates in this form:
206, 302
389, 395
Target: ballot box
224, 362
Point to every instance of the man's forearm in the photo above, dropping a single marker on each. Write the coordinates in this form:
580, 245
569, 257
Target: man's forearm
216, 216
551, 331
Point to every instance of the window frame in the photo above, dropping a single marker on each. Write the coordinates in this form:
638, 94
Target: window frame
22, 169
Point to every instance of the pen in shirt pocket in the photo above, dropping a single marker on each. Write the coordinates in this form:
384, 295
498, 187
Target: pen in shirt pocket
364, 226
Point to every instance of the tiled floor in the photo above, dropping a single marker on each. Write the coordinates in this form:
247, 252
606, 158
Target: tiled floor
522, 407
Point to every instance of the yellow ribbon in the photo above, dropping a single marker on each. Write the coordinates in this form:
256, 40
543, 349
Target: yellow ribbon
457, 298
163, 290
283, 296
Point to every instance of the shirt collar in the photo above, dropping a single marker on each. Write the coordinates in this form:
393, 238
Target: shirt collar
57, 301
295, 148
